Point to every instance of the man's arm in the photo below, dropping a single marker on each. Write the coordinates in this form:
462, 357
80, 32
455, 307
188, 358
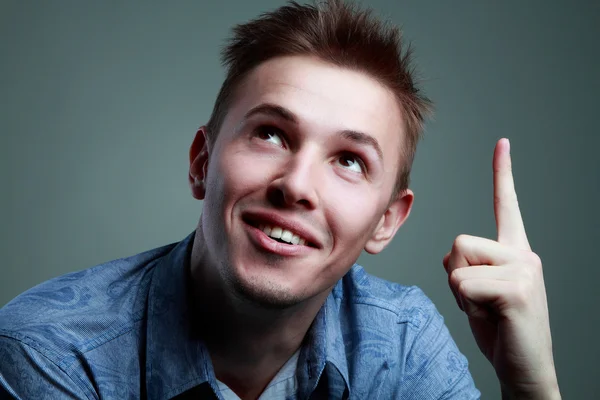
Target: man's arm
500, 286
26, 373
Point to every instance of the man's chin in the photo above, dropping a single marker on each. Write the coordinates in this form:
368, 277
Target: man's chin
265, 294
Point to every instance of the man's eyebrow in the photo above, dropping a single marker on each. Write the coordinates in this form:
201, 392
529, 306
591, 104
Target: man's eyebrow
363, 139
276, 111
272, 110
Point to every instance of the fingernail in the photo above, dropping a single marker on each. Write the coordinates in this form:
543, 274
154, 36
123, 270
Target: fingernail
508, 143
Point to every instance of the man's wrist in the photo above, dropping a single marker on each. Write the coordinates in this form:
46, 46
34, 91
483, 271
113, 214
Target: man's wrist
548, 391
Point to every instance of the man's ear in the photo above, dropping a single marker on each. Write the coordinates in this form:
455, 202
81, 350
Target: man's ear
199, 163
395, 215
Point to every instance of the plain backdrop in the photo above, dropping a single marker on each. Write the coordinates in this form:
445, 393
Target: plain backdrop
100, 102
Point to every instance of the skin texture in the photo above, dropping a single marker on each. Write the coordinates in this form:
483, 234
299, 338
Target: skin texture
259, 301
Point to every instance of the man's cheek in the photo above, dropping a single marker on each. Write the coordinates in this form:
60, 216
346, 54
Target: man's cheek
352, 209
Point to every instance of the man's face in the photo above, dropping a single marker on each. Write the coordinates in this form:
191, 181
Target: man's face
308, 152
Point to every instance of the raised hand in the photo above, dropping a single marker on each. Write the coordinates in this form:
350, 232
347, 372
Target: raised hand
500, 286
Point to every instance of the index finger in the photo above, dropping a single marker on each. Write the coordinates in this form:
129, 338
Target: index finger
511, 230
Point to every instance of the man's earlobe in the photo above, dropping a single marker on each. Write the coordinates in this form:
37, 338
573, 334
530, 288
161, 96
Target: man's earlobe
395, 215
199, 164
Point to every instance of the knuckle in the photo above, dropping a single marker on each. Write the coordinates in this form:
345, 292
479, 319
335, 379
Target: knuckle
532, 265
534, 260
454, 278
521, 293
463, 289
461, 242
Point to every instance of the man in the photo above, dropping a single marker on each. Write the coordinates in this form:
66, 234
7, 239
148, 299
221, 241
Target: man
304, 162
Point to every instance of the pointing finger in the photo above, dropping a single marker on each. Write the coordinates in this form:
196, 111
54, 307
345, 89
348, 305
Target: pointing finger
511, 230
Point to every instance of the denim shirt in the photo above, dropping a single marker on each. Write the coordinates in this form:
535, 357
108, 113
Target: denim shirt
123, 330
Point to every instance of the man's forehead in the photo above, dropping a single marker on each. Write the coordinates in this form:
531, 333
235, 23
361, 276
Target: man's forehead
325, 95
333, 84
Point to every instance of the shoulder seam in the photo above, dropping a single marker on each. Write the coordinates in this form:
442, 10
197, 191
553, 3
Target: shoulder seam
386, 305
42, 352
376, 302
93, 344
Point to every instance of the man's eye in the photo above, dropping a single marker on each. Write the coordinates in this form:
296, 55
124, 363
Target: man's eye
270, 134
352, 163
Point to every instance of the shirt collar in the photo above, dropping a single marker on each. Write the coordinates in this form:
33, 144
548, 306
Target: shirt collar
177, 361
324, 353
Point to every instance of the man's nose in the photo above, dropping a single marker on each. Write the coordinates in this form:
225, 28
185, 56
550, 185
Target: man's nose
297, 184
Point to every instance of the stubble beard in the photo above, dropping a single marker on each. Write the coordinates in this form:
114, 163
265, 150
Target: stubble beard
262, 293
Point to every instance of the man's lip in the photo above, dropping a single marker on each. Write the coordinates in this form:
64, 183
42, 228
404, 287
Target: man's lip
257, 218
268, 244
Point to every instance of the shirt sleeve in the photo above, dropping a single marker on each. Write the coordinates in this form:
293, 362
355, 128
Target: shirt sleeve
435, 368
26, 373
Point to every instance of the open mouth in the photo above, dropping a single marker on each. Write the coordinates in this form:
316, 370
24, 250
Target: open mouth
280, 234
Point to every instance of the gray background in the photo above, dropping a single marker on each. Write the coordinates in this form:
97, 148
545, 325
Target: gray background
100, 102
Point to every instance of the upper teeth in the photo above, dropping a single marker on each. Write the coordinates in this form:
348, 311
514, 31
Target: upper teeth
277, 232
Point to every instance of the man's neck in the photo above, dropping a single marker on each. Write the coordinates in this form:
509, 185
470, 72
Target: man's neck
248, 343
246, 355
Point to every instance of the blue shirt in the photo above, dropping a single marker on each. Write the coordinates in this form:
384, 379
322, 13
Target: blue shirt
123, 330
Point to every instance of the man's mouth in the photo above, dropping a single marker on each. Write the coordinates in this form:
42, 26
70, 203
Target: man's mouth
282, 235
279, 233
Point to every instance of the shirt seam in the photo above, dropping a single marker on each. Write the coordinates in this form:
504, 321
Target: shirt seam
392, 309
184, 386
279, 381
380, 302
38, 349
462, 374
383, 380
124, 330
374, 302
62, 360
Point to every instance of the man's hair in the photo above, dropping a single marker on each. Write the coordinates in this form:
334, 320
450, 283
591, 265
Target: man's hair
338, 33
